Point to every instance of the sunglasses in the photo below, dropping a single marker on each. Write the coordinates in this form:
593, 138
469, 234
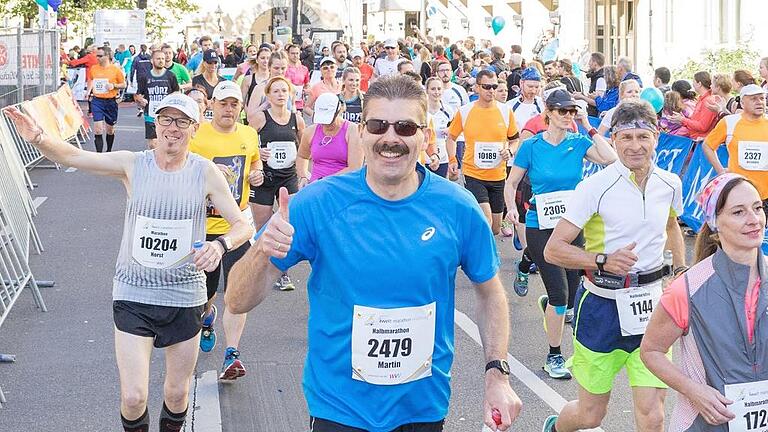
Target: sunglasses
403, 128
489, 86
564, 111
328, 67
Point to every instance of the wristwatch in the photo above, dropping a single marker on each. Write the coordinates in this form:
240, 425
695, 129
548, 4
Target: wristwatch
225, 242
501, 365
600, 260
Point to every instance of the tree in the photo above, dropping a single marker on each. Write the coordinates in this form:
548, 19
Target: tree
79, 13
723, 60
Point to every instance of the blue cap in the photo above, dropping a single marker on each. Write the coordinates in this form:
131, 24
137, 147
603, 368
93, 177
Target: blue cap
530, 74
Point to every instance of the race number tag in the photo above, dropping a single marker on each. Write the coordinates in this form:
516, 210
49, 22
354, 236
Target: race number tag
299, 95
550, 207
753, 155
152, 108
635, 306
442, 150
392, 346
750, 405
100, 86
487, 154
161, 243
282, 154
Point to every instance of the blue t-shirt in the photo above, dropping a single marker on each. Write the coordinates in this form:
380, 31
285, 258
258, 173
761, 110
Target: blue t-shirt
194, 62
552, 168
367, 251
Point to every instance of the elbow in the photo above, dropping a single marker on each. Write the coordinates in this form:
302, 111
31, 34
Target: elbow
550, 253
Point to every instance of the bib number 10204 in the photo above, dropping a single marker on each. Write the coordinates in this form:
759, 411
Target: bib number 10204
390, 348
156, 244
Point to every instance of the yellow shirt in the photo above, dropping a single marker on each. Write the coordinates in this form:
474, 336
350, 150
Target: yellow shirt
486, 126
752, 134
233, 153
102, 75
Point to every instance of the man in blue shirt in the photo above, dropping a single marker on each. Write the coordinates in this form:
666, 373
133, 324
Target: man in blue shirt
380, 342
194, 62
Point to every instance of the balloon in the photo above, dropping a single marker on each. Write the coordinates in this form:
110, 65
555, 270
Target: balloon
42, 3
653, 96
54, 4
497, 24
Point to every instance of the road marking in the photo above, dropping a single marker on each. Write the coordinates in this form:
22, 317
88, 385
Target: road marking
539, 387
70, 169
37, 202
205, 415
130, 128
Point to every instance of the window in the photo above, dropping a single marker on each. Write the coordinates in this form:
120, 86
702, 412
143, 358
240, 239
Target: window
612, 29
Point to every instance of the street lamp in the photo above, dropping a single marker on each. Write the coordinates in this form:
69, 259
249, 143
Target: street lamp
218, 12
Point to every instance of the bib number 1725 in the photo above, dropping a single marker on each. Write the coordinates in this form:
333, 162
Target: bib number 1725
756, 419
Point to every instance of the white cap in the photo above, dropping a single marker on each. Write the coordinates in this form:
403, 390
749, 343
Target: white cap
327, 59
183, 103
227, 89
391, 43
356, 52
751, 89
325, 108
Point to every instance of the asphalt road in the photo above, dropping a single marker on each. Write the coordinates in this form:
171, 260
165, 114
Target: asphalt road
65, 378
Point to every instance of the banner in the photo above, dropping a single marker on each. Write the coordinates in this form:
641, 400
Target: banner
29, 60
119, 27
672, 151
39, 109
698, 174
67, 117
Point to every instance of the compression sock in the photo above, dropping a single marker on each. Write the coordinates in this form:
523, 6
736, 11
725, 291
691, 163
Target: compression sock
110, 141
525, 262
141, 424
554, 350
171, 422
98, 140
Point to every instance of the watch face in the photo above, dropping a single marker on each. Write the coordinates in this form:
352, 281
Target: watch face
505, 367
601, 259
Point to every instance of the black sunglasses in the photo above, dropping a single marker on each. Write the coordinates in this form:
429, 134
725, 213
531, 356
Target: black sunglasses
564, 111
404, 128
489, 86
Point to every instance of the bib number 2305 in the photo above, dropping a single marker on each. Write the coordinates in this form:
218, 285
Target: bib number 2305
550, 207
392, 346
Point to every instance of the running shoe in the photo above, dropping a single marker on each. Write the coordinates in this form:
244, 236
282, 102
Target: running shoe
549, 424
521, 283
555, 367
569, 316
233, 368
543, 302
284, 283
534, 269
506, 229
516, 241
208, 334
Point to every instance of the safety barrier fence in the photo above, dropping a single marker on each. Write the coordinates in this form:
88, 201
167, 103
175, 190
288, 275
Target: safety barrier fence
60, 116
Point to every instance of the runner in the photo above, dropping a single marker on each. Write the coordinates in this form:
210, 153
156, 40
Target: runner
327, 84
722, 369
259, 74
745, 135
244, 68
553, 161
106, 79
332, 143
441, 116
182, 75
366, 70
298, 74
388, 65
234, 148
194, 62
279, 132
454, 97
159, 83
407, 377
491, 134
258, 101
628, 212
351, 95
159, 288
207, 76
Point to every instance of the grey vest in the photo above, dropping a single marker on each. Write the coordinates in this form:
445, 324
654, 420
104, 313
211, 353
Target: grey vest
723, 344
159, 194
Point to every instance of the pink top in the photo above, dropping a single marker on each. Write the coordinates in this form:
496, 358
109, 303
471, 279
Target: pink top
329, 154
299, 76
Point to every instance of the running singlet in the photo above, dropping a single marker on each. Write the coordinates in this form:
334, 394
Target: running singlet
282, 140
233, 153
354, 109
154, 89
355, 354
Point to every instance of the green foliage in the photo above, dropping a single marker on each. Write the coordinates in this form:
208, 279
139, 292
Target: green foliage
721, 60
159, 12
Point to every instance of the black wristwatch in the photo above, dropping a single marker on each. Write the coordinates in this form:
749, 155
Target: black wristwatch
501, 365
600, 260
225, 243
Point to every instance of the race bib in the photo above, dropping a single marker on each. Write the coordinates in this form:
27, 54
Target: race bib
100, 86
550, 207
152, 108
753, 155
750, 405
161, 243
635, 306
299, 93
487, 154
392, 346
282, 154
442, 150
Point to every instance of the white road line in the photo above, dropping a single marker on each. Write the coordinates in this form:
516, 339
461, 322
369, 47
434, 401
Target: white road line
542, 390
37, 202
70, 169
204, 392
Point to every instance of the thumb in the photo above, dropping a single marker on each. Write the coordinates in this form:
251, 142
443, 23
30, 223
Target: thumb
630, 246
282, 203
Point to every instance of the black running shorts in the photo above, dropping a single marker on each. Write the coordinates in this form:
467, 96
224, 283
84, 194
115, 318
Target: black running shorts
166, 324
491, 192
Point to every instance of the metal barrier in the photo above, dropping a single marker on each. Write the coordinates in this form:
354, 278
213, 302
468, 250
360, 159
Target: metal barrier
31, 66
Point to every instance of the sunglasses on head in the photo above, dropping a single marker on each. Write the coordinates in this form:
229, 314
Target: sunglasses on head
489, 86
404, 128
564, 111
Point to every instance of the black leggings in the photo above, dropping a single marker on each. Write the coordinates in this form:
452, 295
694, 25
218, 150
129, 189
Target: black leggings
561, 284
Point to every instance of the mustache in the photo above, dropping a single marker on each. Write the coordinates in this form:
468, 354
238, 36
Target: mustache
400, 149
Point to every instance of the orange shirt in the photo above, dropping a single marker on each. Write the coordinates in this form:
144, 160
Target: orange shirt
747, 150
485, 132
366, 72
101, 75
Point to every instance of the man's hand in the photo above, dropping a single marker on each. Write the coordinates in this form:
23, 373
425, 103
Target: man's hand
27, 127
209, 256
277, 237
621, 261
264, 154
499, 395
256, 177
453, 171
434, 162
505, 154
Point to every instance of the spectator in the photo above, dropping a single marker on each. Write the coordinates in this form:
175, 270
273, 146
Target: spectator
572, 83
121, 55
501, 94
702, 120
764, 73
513, 78
611, 97
721, 93
516, 49
741, 78
686, 92
86, 61
673, 103
661, 78
628, 89
307, 54
242, 69
539, 67
624, 70
425, 64
596, 82
230, 59
497, 60
550, 70
439, 53
181, 56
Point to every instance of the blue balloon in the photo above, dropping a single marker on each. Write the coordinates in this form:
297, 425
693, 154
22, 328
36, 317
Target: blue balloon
54, 4
497, 24
654, 97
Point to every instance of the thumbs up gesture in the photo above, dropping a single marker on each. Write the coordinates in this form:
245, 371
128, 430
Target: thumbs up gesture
278, 235
622, 260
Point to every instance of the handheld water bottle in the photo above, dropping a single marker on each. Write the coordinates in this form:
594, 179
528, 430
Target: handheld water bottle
196, 246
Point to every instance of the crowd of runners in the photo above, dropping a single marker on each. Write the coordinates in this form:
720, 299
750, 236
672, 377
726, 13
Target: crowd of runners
374, 163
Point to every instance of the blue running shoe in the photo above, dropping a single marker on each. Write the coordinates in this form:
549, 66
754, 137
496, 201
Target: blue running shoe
516, 241
549, 424
534, 269
555, 367
208, 334
521, 283
233, 368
